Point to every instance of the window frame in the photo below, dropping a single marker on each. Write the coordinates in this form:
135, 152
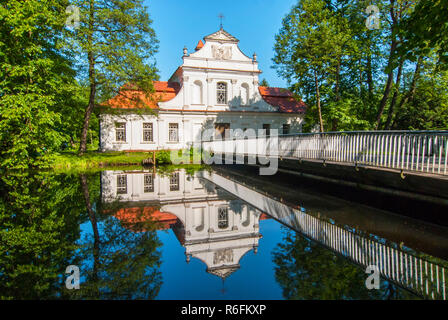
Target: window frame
222, 131
174, 186
224, 210
267, 127
220, 91
176, 131
119, 129
148, 187
122, 186
150, 129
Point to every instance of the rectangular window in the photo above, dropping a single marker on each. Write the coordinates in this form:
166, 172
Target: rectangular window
267, 127
221, 93
223, 217
286, 128
148, 183
122, 184
222, 130
173, 133
147, 132
120, 132
174, 181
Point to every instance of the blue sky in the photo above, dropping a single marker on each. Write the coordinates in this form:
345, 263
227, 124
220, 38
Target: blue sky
183, 23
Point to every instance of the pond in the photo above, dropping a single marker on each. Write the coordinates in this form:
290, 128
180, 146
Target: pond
207, 234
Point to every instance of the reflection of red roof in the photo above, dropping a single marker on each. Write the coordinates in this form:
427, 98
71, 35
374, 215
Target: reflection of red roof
128, 98
136, 215
264, 216
282, 99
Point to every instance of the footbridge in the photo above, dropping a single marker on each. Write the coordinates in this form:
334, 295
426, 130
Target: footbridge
410, 163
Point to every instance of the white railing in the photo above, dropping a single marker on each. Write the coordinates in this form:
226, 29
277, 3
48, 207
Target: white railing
421, 151
421, 276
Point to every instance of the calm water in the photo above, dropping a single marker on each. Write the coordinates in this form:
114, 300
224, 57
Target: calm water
184, 234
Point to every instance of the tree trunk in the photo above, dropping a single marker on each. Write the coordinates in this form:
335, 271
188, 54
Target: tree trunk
92, 82
338, 80
93, 222
387, 88
318, 102
369, 75
393, 46
410, 94
394, 97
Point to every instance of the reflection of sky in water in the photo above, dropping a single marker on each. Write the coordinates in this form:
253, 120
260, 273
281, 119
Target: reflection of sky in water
181, 280
254, 280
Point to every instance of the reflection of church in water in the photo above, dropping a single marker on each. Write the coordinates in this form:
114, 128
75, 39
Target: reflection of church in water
211, 224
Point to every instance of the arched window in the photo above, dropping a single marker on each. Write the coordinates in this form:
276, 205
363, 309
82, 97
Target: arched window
197, 92
221, 93
244, 94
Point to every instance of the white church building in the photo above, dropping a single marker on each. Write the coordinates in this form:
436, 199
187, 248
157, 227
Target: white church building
216, 87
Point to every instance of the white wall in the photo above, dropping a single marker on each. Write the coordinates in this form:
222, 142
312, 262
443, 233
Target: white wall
190, 125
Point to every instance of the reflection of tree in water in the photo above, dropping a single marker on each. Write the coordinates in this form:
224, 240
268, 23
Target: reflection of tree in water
118, 262
307, 270
39, 225
40, 218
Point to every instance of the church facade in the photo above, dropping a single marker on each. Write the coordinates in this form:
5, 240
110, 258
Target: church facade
217, 88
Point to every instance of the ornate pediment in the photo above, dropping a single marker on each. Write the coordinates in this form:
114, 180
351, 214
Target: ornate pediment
221, 52
221, 36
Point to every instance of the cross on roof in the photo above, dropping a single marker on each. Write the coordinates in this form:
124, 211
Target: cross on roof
221, 16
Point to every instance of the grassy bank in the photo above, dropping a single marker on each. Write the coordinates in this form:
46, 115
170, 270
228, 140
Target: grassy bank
94, 159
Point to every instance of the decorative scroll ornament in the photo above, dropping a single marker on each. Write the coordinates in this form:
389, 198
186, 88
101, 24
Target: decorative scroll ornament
223, 256
222, 53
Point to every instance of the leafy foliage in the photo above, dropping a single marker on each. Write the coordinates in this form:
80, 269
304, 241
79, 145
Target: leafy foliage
114, 45
364, 79
35, 76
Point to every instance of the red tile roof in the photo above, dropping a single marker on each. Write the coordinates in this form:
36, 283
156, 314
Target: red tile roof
129, 98
283, 99
199, 46
131, 217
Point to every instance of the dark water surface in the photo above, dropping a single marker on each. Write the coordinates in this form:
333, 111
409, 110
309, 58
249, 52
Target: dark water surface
210, 234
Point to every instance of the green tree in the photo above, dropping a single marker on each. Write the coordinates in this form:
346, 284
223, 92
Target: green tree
34, 77
424, 30
114, 44
309, 49
264, 83
424, 106
368, 78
